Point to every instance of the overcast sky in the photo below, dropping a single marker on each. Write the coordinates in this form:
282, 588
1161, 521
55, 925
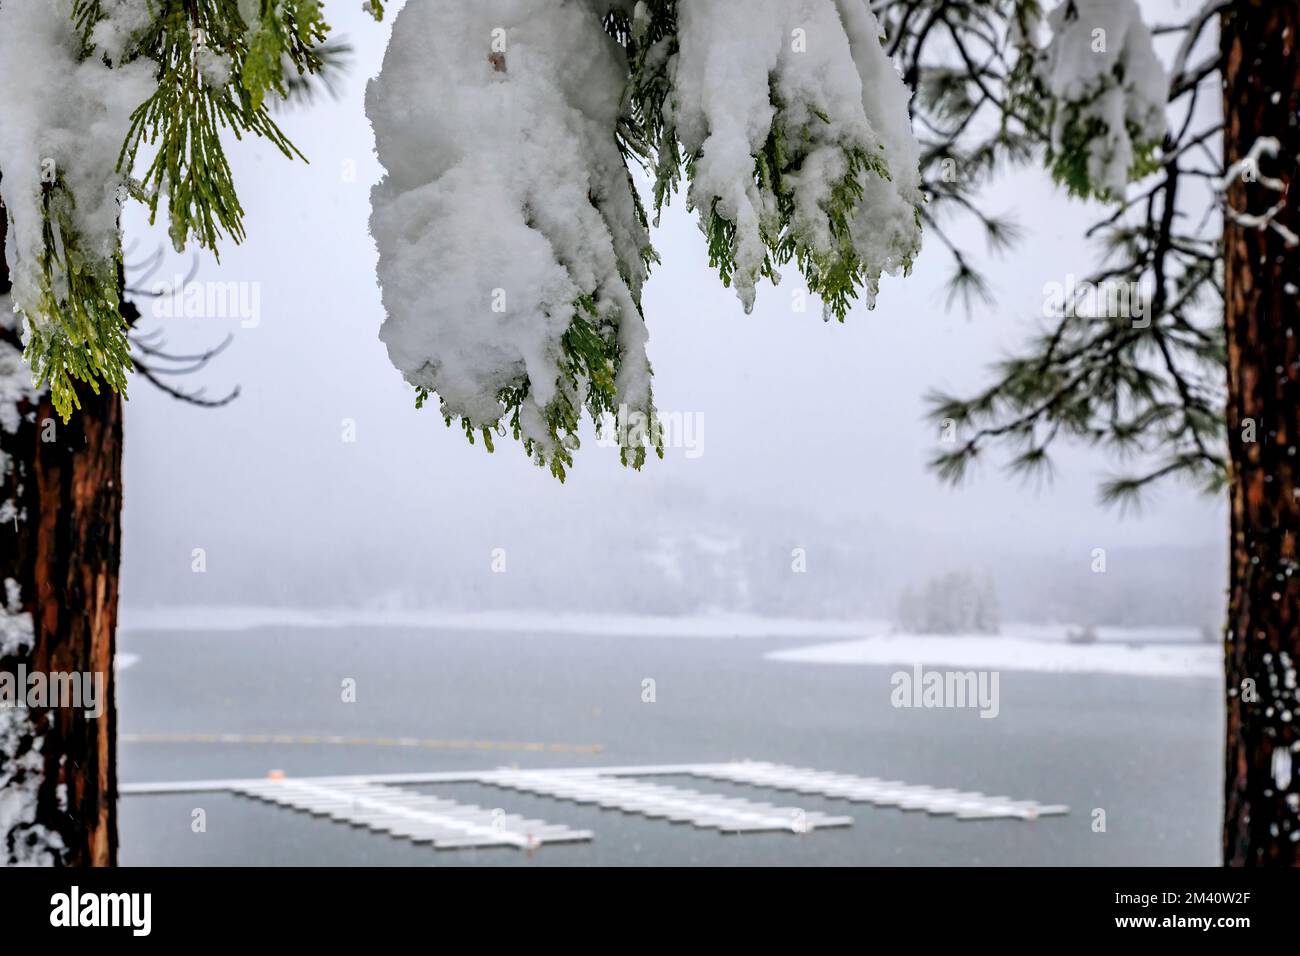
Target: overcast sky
817, 419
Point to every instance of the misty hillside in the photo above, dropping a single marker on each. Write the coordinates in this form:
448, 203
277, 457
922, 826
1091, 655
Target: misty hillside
687, 553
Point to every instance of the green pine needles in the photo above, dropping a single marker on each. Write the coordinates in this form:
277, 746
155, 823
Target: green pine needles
88, 341
834, 274
217, 62
1070, 162
1074, 131
590, 363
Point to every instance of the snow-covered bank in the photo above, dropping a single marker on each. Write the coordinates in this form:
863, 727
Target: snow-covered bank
1016, 653
241, 618
1153, 652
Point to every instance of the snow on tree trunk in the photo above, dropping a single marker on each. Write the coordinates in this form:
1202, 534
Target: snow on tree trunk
1261, 48
513, 246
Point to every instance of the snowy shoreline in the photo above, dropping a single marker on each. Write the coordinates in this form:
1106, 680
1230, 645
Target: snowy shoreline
241, 618
1146, 652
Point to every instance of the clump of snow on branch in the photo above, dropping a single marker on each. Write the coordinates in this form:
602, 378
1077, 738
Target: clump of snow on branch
507, 215
886, 224
1109, 93
64, 118
121, 22
806, 86
512, 244
61, 129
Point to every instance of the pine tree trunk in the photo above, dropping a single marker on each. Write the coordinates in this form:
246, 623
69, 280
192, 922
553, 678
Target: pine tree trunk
1261, 46
60, 544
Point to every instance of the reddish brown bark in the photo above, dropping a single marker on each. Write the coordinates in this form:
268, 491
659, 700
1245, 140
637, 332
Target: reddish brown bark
1262, 270
62, 549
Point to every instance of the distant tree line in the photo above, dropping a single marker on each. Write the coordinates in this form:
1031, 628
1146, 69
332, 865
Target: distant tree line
958, 602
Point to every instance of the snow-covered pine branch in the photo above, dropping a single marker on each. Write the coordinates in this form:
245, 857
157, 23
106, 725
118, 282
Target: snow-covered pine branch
1083, 87
512, 248
65, 116
512, 243
1103, 94
88, 84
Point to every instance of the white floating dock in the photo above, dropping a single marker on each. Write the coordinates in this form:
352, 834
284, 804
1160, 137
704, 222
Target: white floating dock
417, 817
963, 804
378, 802
704, 810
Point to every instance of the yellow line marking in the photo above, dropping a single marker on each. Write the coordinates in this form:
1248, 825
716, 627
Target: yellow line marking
335, 740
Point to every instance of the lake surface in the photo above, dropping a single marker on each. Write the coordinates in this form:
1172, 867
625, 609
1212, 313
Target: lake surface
1145, 750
